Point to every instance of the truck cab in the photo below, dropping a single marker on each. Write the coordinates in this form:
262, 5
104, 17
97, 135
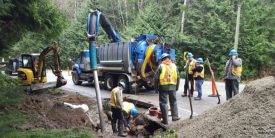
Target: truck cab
81, 69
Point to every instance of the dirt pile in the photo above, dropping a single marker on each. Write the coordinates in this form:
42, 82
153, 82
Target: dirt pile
249, 114
49, 111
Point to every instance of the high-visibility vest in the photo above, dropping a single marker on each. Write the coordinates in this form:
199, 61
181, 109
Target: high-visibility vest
127, 107
113, 99
199, 74
191, 66
168, 74
236, 70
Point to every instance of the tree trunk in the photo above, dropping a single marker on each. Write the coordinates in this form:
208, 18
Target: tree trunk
121, 14
237, 27
140, 5
126, 11
113, 9
182, 17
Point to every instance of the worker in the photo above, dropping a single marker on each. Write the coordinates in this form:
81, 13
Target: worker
190, 65
129, 111
116, 103
232, 77
166, 82
35, 66
199, 77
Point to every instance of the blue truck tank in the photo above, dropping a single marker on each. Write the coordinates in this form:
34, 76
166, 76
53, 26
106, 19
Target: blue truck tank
130, 61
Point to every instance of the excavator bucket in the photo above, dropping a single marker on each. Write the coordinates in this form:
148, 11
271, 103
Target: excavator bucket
60, 82
42, 86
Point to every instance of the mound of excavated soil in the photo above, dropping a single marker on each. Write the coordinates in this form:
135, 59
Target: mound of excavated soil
49, 112
249, 114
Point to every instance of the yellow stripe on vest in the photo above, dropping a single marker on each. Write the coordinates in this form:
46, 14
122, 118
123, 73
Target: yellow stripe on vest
168, 74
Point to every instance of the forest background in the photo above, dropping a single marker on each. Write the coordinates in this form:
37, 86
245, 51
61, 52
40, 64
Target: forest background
28, 26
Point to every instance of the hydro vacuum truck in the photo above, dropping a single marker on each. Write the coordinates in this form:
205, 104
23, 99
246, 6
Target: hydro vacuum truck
133, 62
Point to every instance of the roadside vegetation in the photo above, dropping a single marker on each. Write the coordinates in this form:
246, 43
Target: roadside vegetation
10, 116
209, 28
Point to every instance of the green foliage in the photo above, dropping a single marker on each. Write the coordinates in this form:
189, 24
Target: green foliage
167, 134
209, 28
209, 31
73, 40
10, 95
14, 117
257, 36
7, 81
10, 117
53, 133
30, 43
18, 17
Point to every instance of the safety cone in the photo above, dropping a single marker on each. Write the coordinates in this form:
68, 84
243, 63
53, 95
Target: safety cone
214, 91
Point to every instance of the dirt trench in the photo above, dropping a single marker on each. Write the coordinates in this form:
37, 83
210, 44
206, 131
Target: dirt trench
249, 114
48, 111
139, 126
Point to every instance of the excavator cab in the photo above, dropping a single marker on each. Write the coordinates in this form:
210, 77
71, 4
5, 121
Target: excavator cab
28, 73
33, 70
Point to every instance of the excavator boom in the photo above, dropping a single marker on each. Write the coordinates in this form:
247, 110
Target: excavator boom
32, 74
56, 69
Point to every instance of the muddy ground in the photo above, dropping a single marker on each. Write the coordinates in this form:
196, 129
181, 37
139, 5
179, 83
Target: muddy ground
249, 114
48, 111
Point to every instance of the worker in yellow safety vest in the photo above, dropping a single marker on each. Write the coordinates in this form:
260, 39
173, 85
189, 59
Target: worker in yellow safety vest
116, 103
166, 82
129, 111
190, 65
199, 77
233, 72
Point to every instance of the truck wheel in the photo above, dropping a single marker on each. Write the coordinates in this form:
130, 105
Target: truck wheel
109, 82
123, 78
75, 78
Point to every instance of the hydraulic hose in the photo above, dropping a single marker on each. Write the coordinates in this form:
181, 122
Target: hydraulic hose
147, 60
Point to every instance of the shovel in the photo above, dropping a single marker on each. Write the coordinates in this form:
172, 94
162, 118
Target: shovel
189, 95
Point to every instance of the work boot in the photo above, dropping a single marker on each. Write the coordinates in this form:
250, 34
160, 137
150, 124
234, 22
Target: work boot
120, 129
164, 122
115, 131
197, 98
114, 127
122, 134
176, 119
